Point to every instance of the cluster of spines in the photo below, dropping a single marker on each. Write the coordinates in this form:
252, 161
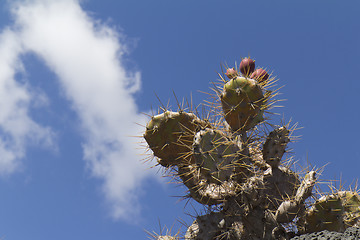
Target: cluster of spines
165, 234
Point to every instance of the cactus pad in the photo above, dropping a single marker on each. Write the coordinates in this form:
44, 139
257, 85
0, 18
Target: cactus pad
334, 212
242, 101
170, 135
326, 214
351, 203
280, 184
217, 156
275, 145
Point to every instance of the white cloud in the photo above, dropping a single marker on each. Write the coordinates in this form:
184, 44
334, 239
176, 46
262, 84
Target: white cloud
87, 58
16, 127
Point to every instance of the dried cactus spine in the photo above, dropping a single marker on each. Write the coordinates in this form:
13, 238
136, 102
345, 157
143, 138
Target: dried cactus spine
165, 234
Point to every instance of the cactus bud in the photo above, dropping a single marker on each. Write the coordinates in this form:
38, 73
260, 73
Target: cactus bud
247, 66
260, 75
231, 73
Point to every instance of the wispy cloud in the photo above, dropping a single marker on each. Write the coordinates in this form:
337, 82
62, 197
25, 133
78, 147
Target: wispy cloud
87, 57
17, 129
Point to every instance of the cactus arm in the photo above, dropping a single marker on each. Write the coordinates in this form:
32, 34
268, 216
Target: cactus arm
291, 208
275, 145
305, 189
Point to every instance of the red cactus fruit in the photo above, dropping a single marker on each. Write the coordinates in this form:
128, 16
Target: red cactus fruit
247, 66
231, 73
260, 75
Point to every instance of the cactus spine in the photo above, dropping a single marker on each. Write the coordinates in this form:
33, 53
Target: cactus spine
237, 166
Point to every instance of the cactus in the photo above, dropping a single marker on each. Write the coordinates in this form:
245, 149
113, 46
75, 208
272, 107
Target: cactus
233, 165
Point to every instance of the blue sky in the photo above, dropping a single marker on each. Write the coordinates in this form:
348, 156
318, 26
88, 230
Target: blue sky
75, 77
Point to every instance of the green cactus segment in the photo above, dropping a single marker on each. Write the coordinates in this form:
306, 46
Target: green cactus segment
242, 101
217, 156
218, 167
351, 203
170, 135
275, 145
334, 212
325, 214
